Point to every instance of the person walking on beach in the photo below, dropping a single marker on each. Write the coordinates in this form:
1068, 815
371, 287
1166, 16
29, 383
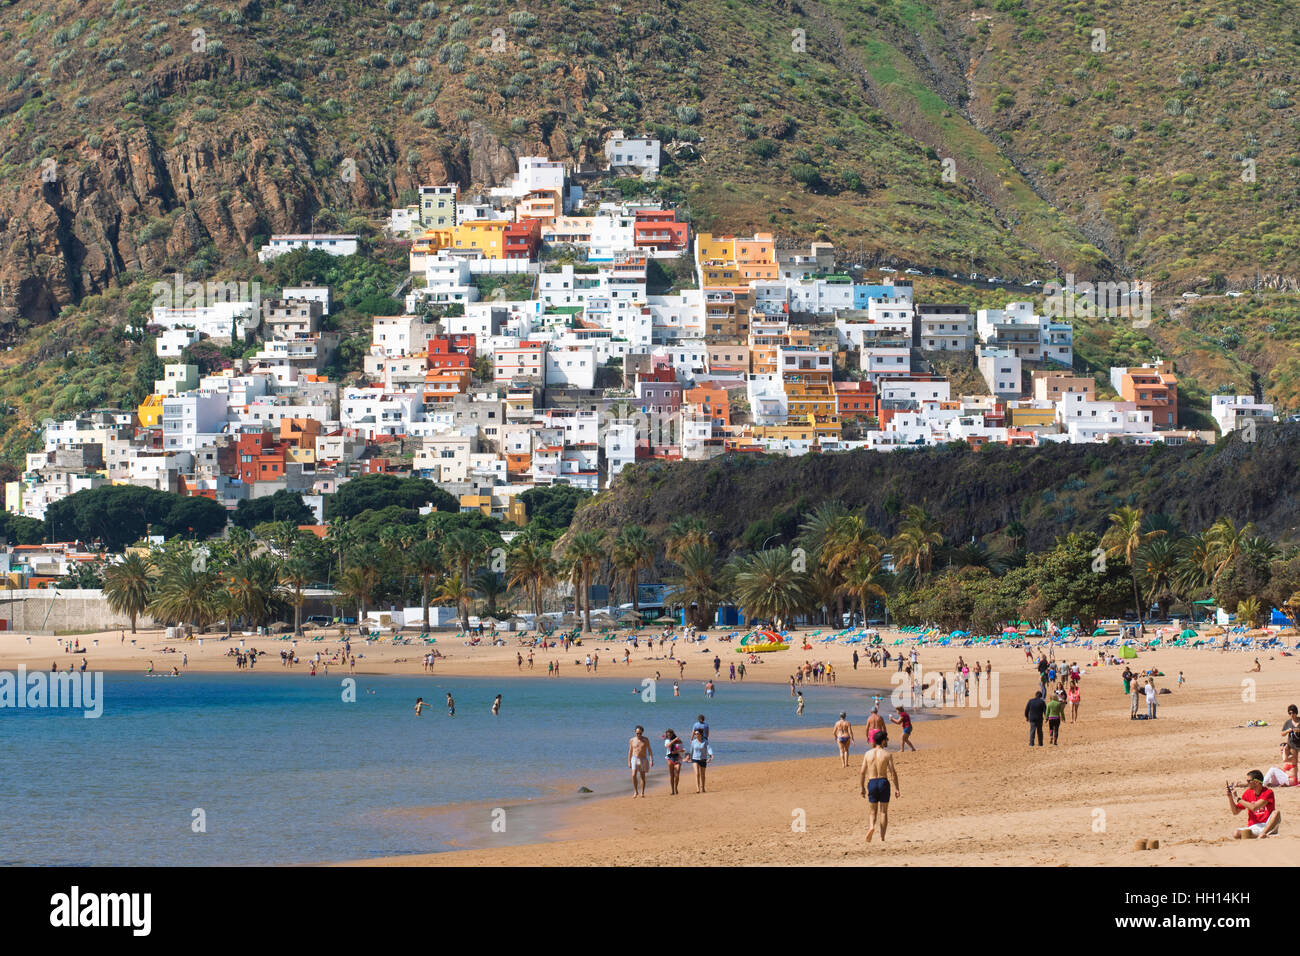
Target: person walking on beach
874, 723
1074, 702
639, 760
701, 754
1035, 711
904, 720
673, 757
843, 734
877, 771
451, 706
496, 706
855, 659
1055, 711
741, 670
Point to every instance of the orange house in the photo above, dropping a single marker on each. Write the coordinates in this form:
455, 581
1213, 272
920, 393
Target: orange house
1153, 388
712, 401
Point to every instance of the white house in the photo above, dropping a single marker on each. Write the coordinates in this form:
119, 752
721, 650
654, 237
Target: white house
640, 153
336, 244
1231, 412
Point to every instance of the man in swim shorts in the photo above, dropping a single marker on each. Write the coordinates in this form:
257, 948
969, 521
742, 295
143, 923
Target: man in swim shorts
878, 763
639, 760
843, 733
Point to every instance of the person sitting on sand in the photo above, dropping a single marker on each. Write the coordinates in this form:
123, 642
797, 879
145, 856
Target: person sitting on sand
879, 763
1262, 816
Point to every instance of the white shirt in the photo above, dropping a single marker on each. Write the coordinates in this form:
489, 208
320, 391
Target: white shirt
1151, 692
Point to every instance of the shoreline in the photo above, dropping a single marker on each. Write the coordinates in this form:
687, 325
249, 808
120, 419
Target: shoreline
972, 794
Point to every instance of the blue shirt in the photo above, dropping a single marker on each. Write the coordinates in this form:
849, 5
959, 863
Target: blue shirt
700, 750
700, 726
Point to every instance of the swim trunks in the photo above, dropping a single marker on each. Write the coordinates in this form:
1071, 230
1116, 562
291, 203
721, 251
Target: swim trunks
878, 790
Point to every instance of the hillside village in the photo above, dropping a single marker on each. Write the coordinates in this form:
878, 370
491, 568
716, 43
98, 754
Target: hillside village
757, 346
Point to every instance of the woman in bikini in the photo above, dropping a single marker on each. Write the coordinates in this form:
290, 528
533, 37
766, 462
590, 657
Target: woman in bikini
1074, 702
673, 756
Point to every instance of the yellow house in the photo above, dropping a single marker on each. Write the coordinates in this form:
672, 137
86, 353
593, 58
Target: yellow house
1033, 417
150, 411
508, 509
486, 235
731, 262
804, 428
427, 245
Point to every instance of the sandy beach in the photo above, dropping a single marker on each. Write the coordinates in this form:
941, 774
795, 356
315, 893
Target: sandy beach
973, 793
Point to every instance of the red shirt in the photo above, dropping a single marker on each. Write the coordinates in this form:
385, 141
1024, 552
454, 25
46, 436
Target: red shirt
1262, 814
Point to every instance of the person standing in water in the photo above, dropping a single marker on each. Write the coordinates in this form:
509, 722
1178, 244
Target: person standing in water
451, 706
843, 733
419, 706
877, 771
798, 711
639, 760
496, 706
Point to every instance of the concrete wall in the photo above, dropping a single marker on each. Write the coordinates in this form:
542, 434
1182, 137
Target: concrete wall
46, 611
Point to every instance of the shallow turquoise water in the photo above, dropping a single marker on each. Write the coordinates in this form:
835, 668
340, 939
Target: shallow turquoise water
285, 771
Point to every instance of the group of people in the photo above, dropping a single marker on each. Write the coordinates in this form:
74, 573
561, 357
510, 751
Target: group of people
640, 756
1263, 818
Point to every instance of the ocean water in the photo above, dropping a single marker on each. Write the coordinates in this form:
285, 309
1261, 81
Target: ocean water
284, 771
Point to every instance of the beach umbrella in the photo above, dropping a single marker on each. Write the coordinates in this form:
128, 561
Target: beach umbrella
1008, 630
1188, 633
1100, 632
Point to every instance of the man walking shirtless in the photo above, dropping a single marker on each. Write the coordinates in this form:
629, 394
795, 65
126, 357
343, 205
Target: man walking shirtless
877, 771
639, 760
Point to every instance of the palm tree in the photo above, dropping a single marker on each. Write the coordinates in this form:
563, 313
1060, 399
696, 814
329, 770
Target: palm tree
185, 594
632, 553
584, 554
456, 592
461, 549
128, 585
255, 582
425, 560
1250, 611
1195, 563
530, 567
358, 582
863, 581
696, 588
295, 574
1226, 542
767, 586
241, 543
489, 586
1016, 534
340, 537
1123, 539
682, 533
1157, 568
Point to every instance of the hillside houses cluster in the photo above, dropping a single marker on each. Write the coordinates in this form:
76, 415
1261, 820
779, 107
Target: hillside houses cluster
769, 350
